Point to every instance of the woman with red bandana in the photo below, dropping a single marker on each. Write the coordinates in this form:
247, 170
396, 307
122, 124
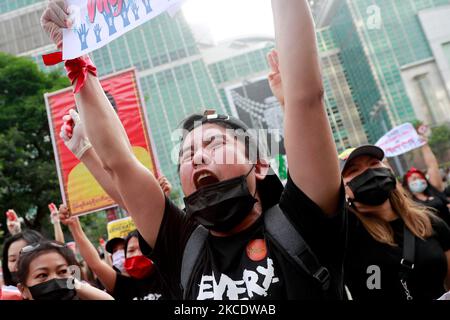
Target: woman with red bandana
429, 192
140, 281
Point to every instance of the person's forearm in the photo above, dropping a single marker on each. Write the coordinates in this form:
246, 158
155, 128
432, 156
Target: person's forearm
59, 235
91, 160
87, 250
309, 142
297, 50
432, 167
88, 292
103, 127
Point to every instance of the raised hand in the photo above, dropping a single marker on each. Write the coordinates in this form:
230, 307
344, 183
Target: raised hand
97, 30
13, 222
135, 9
55, 17
275, 77
124, 13
54, 214
66, 217
73, 134
82, 35
148, 7
165, 185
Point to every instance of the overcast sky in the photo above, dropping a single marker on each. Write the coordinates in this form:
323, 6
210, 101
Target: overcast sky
231, 18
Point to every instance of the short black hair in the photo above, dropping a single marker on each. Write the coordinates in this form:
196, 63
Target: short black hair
29, 236
132, 234
227, 122
43, 247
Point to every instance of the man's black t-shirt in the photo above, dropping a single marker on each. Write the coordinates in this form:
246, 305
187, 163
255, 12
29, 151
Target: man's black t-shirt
372, 268
247, 265
128, 288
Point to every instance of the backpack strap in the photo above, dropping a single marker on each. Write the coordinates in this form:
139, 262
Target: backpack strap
283, 233
194, 247
289, 239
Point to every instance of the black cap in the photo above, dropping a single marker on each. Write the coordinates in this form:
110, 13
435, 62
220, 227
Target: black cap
366, 150
112, 243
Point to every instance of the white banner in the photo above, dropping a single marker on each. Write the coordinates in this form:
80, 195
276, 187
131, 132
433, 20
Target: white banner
98, 22
400, 140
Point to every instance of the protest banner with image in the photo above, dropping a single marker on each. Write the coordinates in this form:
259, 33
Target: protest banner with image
95, 23
80, 191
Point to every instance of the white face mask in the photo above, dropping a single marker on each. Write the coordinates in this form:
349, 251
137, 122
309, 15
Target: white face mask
418, 186
118, 260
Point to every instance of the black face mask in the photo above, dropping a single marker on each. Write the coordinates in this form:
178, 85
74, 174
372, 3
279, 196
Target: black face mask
14, 278
55, 289
221, 206
373, 187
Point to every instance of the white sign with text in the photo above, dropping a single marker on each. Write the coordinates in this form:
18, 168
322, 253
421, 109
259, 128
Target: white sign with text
400, 140
95, 23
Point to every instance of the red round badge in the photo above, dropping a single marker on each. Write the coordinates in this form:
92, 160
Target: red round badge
257, 250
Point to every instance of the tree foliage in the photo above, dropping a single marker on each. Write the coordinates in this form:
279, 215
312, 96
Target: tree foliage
28, 179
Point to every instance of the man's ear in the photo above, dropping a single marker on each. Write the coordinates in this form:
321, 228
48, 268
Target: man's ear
26, 294
261, 168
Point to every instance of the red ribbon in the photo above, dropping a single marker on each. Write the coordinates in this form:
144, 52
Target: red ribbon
77, 69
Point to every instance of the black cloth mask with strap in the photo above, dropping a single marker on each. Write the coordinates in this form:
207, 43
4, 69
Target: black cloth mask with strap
221, 206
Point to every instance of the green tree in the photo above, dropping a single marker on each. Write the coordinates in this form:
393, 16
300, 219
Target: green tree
28, 180
440, 141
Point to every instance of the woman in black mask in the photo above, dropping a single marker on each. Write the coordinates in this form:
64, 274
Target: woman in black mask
11, 250
397, 250
45, 273
139, 281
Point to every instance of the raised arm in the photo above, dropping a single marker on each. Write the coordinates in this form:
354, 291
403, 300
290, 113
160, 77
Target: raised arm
54, 218
75, 139
87, 292
139, 189
432, 167
104, 272
137, 186
310, 147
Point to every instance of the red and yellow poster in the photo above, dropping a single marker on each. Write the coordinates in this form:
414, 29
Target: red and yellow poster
79, 190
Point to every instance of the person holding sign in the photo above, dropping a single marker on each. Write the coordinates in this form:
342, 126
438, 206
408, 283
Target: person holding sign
428, 192
232, 205
45, 273
138, 281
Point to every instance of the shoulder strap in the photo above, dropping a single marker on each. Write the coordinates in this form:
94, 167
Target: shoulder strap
288, 238
407, 262
191, 253
409, 248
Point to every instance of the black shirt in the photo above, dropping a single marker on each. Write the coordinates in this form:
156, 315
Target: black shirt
128, 288
438, 201
367, 257
247, 265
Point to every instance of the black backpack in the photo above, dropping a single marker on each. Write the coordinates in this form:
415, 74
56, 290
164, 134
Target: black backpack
284, 235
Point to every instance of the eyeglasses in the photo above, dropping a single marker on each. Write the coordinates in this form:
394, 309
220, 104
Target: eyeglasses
32, 247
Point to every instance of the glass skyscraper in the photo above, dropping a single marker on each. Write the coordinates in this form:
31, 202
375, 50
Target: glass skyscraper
378, 55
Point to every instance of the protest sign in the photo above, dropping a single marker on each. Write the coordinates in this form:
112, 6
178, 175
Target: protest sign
400, 140
120, 228
95, 23
80, 191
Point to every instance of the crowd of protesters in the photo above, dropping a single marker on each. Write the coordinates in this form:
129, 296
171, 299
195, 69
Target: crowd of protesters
341, 227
